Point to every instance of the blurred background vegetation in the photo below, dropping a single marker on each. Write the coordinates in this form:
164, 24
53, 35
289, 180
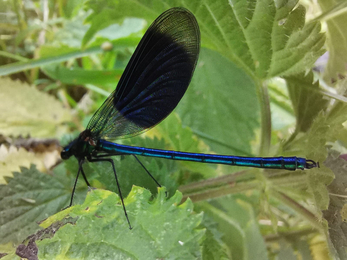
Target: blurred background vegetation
270, 81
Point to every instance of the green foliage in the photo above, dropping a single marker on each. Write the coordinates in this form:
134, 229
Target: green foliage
233, 98
21, 116
307, 100
30, 196
266, 38
336, 213
75, 56
337, 40
161, 228
241, 230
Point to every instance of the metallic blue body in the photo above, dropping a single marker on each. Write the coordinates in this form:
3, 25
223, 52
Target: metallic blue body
287, 163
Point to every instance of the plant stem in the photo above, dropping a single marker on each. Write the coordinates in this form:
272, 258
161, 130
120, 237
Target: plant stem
265, 113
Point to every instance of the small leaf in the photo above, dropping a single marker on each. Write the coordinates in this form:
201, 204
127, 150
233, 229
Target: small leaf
213, 246
306, 98
27, 111
12, 158
327, 127
337, 40
98, 228
240, 227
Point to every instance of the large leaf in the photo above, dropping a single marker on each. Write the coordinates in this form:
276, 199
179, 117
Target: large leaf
98, 229
220, 105
27, 111
266, 38
29, 197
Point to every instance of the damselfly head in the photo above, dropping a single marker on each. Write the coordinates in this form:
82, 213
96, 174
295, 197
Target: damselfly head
67, 152
80, 147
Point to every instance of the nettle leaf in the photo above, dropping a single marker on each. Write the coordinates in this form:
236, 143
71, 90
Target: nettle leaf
30, 196
12, 158
213, 247
327, 127
162, 229
336, 214
306, 98
27, 111
220, 105
266, 38
335, 11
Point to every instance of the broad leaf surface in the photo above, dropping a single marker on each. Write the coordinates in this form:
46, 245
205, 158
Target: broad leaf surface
337, 40
161, 228
179, 138
336, 214
29, 197
266, 38
21, 116
241, 231
220, 105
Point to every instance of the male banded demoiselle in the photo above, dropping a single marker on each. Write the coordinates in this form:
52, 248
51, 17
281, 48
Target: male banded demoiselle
154, 81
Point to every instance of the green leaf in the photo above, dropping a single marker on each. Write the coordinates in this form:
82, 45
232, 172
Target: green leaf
53, 58
181, 138
336, 214
327, 127
70, 8
334, 13
78, 76
240, 227
113, 12
220, 105
282, 114
29, 197
98, 228
212, 249
12, 158
27, 111
306, 98
213, 246
265, 38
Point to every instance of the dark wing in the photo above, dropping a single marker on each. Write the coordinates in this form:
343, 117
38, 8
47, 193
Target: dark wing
154, 80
